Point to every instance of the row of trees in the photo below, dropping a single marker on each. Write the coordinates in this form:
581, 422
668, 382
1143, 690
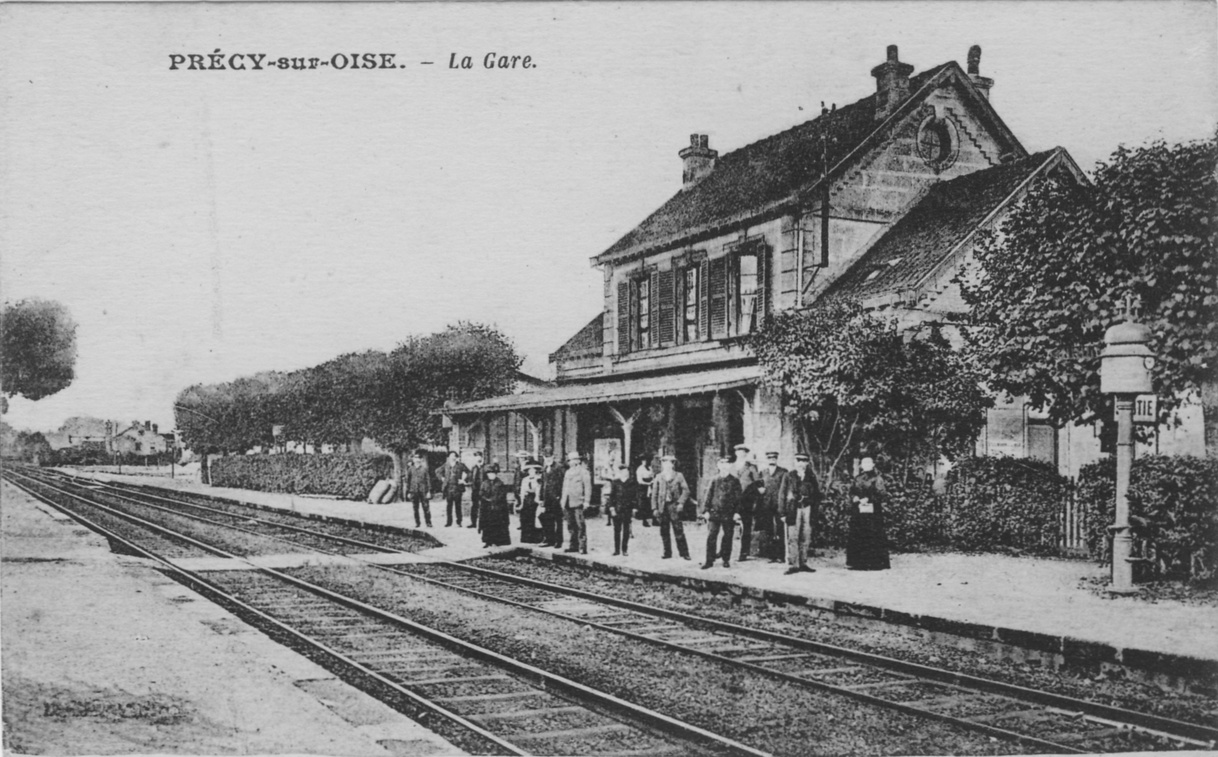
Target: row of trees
390, 397
1049, 282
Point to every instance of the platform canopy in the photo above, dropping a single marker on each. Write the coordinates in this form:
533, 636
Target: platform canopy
622, 390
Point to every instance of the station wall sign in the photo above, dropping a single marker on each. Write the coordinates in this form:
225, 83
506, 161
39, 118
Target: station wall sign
1146, 408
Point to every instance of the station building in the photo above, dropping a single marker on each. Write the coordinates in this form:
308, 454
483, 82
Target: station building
879, 200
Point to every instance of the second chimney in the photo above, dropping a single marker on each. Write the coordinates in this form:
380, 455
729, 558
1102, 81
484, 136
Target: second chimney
891, 84
698, 158
982, 83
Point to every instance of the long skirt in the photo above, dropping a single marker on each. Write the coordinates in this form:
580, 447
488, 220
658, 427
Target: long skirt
529, 532
495, 524
866, 546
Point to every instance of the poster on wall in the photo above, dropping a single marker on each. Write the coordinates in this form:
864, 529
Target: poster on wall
606, 456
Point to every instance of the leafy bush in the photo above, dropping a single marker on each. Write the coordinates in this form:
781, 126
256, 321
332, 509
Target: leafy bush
342, 476
992, 504
1004, 503
1173, 506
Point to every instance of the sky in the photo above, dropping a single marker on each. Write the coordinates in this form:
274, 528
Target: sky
204, 225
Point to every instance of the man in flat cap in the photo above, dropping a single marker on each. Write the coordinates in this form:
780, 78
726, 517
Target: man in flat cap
576, 495
669, 493
750, 493
720, 507
771, 532
477, 475
800, 497
452, 474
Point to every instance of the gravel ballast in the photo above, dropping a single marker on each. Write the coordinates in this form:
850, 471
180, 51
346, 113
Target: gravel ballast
874, 637
775, 716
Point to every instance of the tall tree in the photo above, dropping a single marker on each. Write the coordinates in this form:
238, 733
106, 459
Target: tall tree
854, 381
39, 349
1059, 270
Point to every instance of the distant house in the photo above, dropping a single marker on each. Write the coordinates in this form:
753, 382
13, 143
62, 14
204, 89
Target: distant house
140, 439
880, 200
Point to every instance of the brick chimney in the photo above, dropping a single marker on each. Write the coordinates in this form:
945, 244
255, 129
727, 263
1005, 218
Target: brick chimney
982, 83
891, 84
699, 159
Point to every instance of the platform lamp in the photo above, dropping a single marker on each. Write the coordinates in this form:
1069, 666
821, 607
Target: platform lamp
1125, 366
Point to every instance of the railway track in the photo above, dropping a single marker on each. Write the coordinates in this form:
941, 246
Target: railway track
501, 705
1039, 719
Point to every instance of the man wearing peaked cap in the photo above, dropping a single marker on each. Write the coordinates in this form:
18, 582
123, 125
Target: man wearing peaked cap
720, 506
800, 497
768, 521
552, 475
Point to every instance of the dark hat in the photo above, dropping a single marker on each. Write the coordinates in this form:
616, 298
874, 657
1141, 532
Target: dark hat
800, 457
547, 452
771, 455
725, 458
669, 458
623, 466
741, 448
492, 468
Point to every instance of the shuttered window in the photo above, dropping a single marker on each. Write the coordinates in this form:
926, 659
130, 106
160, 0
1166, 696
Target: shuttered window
689, 303
704, 300
666, 303
746, 291
642, 311
718, 296
623, 317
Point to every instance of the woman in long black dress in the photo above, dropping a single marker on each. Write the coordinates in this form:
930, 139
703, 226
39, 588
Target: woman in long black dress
494, 512
530, 494
867, 546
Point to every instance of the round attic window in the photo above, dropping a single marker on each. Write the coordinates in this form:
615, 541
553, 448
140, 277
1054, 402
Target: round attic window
938, 142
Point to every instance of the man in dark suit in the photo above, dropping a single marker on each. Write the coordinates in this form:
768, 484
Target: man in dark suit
477, 474
452, 473
800, 497
552, 475
416, 485
750, 485
721, 507
669, 494
768, 517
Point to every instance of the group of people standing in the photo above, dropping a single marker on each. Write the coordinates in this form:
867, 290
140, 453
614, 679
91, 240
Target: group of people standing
773, 505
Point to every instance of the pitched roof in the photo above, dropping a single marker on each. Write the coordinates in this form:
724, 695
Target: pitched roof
771, 172
923, 238
587, 342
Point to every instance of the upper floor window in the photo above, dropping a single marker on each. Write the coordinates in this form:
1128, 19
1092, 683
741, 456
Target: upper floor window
747, 289
689, 305
643, 313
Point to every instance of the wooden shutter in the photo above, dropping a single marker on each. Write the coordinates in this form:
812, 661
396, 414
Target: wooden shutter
717, 287
623, 317
667, 306
703, 300
764, 300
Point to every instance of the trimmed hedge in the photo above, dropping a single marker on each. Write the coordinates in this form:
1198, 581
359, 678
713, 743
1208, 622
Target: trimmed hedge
343, 476
1173, 506
991, 504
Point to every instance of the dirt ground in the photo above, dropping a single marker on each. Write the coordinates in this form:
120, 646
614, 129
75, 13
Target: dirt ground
102, 654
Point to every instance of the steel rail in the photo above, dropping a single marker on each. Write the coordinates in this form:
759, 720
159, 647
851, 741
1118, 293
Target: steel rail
550, 680
1196, 734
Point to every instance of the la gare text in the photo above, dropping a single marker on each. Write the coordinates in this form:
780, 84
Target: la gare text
222, 61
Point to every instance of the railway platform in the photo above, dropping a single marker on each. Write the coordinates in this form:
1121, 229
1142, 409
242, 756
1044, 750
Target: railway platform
104, 654
1042, 606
